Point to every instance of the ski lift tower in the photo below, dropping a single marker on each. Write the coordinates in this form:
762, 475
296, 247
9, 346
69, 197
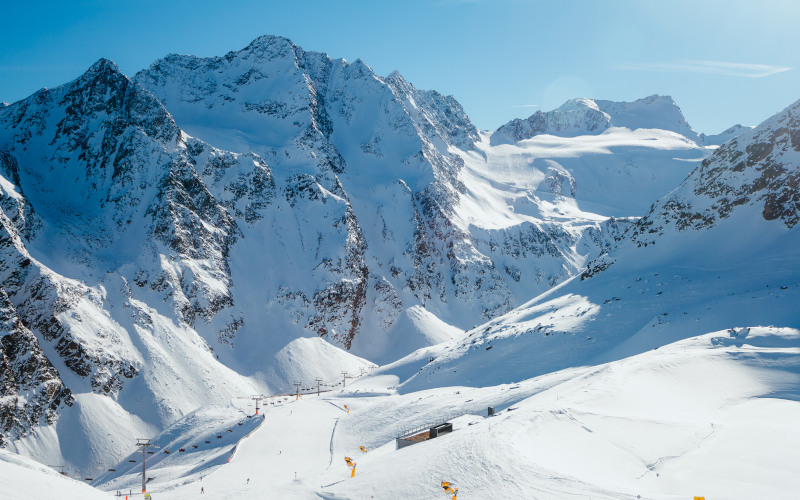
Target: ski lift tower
144, 443
297, 389
256, 399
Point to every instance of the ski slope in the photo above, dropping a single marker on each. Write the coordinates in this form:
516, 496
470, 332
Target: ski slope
713, 415
24, 479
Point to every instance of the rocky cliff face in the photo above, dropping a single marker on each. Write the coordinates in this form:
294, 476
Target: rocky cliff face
328, 126
32, 391
753, 176
758, 170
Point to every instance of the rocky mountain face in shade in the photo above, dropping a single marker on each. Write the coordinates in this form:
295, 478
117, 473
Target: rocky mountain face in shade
390, 155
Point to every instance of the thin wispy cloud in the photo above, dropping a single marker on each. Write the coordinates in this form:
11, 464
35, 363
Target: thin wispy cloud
709, 68
526, 106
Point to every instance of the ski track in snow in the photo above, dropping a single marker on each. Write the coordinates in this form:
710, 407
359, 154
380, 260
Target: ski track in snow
333, 431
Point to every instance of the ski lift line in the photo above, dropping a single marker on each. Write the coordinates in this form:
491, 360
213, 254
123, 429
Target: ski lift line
256, 398
233, 451
312, 390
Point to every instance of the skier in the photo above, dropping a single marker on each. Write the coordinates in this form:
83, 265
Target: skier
248, 480
202, 490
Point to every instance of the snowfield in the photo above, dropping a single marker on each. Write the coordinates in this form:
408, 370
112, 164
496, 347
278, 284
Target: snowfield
714, 415
25, 479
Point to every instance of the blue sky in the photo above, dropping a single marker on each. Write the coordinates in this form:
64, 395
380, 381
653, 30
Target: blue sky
723, 62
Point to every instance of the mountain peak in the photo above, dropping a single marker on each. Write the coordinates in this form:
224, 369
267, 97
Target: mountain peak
593, 116
269, 46
655, 111
103, 69
577, 104
103, 65
724, 136
268, 41
754, 174
103, 73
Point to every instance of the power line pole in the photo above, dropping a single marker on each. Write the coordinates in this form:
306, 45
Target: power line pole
144, 443
318, 381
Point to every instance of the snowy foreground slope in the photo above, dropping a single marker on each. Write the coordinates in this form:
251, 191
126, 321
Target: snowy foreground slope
24, 479
712, 416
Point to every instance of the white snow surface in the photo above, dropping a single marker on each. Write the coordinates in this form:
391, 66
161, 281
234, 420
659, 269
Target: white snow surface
26, 479
305, 359
712, 416
724, 136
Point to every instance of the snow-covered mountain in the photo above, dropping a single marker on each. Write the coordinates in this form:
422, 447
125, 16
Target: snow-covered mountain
106, 226
725, 136
717, 252
366, 171
117, 230
593, 116
402, 164
219, 227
